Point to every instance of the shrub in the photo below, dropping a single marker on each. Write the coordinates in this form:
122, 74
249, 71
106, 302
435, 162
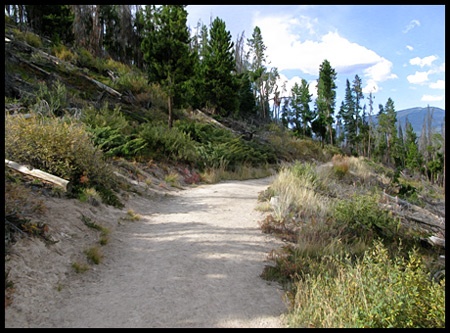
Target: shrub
374, 292
28, 37
62, 148
174, 144
362, 217
340, 165
61, 51
86, 59
50, 99
111, 132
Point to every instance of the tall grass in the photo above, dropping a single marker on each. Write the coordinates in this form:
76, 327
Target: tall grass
294, 188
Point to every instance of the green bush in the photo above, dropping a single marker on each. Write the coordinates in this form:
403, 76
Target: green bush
86, 59
50, 99
112, 132
28, 37
174, 144
364, 218
374, 292
62, 148
218, 147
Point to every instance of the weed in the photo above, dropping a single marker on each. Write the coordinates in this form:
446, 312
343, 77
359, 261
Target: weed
79, 267
340, 165
173, 179
132, 216
94, 255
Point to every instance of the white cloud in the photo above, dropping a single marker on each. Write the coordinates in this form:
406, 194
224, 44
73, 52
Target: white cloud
282, 35
371, 87
418, 77
439, 84
290, 84
426, 61
411, 25
381, 71
409, 47
431, 98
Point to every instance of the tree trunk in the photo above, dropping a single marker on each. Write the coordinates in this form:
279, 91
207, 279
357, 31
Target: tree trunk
62, 183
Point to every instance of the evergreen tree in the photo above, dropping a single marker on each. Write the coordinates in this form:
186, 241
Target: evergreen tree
301, 115
247, 103
380, 152
218, 69
53, 21
346, 112
258, 58
166, 51
358, 96
325, 102
387, 128
413, 158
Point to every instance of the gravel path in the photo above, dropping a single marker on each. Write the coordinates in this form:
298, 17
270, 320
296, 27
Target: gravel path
193, 260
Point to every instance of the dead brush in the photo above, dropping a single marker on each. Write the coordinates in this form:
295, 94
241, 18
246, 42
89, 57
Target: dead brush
340, 165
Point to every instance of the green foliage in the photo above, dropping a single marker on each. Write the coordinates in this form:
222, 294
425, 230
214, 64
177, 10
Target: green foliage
86, 59
112, 132
301, 115
217, 147
375, 292
218, 64
62, 148
362, 216
53, 21
50, 99
173, 144
246, 99
166, 50
28, 37
63, 53
325, 102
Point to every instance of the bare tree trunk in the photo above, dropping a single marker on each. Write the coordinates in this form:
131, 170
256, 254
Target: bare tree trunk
57, 181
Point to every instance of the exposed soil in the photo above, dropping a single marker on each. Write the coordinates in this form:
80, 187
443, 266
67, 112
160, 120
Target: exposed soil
193, 260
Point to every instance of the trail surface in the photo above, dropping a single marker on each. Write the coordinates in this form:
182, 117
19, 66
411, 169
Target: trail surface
193, 260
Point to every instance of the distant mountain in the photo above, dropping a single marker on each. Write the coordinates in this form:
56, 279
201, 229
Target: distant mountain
416, 117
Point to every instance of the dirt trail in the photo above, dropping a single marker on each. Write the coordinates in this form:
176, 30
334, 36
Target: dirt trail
193, 260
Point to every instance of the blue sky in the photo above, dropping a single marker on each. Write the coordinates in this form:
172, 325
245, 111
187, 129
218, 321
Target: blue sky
397, 51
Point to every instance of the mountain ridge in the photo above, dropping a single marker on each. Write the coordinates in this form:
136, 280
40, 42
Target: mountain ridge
416, 116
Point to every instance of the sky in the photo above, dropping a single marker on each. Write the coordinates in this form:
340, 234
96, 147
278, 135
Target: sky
397, 50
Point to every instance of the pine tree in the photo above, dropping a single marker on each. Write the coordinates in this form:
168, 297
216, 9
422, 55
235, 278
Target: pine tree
301, 115
346, 112
53, 21
166, 51
358, 96
325, 102
218, 69
247, 102
387, 128
258, 58
413, 158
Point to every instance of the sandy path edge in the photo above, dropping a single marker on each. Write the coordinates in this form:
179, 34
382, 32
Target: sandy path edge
193, 260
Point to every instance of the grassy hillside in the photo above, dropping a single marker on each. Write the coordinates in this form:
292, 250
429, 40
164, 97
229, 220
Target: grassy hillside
90, 120
355, 254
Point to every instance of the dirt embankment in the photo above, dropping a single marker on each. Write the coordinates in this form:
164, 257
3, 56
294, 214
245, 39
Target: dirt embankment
193, 260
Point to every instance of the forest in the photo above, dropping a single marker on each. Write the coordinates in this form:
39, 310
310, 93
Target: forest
93, 91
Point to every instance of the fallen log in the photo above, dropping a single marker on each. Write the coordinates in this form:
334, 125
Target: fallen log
36, 173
